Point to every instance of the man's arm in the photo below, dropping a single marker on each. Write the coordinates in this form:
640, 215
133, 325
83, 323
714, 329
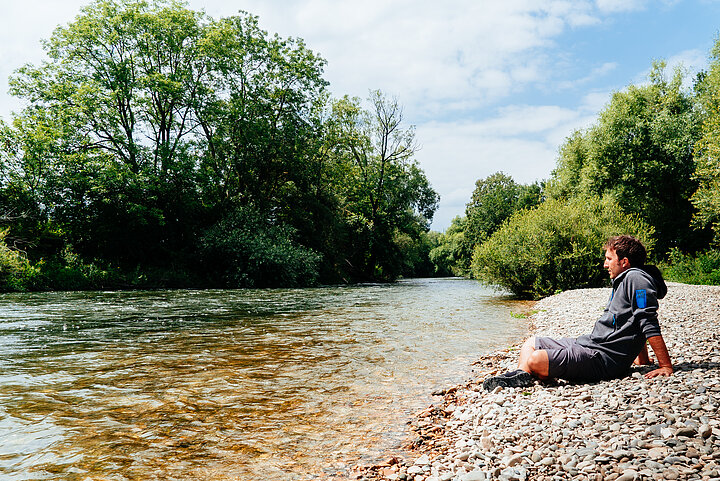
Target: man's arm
660, 349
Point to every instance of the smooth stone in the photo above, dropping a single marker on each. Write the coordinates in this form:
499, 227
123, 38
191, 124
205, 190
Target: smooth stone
475, 475
513, 474
423, 460
415, 470
686, 431
657, 453
627, 475
671, 474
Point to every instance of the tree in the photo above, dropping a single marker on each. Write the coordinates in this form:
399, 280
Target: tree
383, 190
706, 198
494, 200
640, 153
453, 252
150, 122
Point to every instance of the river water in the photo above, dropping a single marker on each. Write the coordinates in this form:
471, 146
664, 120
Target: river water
241, 384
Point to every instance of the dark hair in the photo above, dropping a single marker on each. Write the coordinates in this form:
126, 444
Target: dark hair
628, 246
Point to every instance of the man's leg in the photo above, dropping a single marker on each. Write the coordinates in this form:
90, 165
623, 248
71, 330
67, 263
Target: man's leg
534, 361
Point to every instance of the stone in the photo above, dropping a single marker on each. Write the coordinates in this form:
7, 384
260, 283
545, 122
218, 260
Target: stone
513, 474
475, 475
628, 475
687, 431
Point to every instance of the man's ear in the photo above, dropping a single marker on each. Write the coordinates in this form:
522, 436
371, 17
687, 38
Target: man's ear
625, 263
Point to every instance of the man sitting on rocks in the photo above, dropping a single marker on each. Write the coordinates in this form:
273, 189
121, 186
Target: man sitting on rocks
618, 338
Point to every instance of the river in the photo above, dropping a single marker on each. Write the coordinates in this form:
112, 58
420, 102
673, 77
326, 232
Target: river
231, 384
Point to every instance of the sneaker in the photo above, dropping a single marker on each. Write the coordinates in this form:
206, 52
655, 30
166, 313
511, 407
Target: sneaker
517, 378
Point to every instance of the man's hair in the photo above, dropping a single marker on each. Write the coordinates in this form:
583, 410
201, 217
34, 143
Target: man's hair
630, 247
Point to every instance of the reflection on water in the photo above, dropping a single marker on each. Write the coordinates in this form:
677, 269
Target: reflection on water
242, 384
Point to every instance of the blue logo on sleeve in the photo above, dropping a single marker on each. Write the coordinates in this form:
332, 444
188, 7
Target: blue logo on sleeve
641, 298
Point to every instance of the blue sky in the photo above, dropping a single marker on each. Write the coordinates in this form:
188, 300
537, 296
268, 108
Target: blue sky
491, 85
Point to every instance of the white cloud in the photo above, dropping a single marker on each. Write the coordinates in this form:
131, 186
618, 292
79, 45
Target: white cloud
616, 6
521, 140
429, 52
598, 72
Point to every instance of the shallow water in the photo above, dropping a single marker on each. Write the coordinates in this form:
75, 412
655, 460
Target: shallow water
240, 384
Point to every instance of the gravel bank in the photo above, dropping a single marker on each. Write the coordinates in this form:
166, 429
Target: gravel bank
627, 429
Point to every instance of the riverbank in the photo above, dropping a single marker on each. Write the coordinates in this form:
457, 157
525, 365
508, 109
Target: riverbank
631, 428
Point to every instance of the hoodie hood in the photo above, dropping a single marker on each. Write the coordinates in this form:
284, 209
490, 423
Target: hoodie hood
657, 277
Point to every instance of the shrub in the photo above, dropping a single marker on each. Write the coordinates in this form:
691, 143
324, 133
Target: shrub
246, 249
15, 270
703, 268
555, 247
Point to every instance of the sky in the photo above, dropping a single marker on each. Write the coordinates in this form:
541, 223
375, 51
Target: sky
490, 85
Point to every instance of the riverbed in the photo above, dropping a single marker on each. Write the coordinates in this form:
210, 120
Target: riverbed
240, 384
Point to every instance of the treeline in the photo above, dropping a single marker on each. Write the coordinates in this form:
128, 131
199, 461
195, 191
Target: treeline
163, 148
649, 166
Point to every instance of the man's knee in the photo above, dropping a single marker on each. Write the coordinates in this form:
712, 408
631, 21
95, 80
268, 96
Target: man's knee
538, 363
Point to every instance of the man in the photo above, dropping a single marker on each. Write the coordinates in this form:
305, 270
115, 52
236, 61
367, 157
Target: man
618, 338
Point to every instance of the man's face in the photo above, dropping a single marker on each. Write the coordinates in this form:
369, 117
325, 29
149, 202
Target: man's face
614, 265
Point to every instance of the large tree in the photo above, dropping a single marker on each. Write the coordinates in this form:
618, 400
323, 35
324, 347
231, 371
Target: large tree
383, 190
494, 200
707, 153
152, 121
640, 152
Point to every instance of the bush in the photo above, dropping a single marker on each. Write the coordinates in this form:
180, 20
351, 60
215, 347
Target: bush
704, 268
555, 247
245, 249
15, 270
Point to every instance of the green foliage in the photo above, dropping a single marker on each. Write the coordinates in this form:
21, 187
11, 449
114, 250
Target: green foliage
494, 200
151, 127
246, 249
416, 254
385, 195
554, 247
640, 153
453, 252
15, 270
702, 268
707, 152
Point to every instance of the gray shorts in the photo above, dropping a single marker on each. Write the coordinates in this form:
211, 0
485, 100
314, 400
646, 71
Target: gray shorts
569, 360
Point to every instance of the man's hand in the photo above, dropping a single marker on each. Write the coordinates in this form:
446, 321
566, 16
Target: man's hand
663, 371
658, 345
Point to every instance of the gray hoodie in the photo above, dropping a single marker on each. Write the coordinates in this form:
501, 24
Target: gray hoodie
630, 318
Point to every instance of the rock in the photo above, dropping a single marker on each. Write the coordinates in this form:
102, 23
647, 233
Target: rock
687, 431
415, 470
513, 474
657, 453
671, 473
628, 475
692, 453
475, 475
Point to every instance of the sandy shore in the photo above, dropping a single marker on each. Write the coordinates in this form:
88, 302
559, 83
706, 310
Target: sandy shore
626, 429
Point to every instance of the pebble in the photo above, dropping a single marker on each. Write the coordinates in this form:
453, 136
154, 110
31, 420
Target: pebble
625, 429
